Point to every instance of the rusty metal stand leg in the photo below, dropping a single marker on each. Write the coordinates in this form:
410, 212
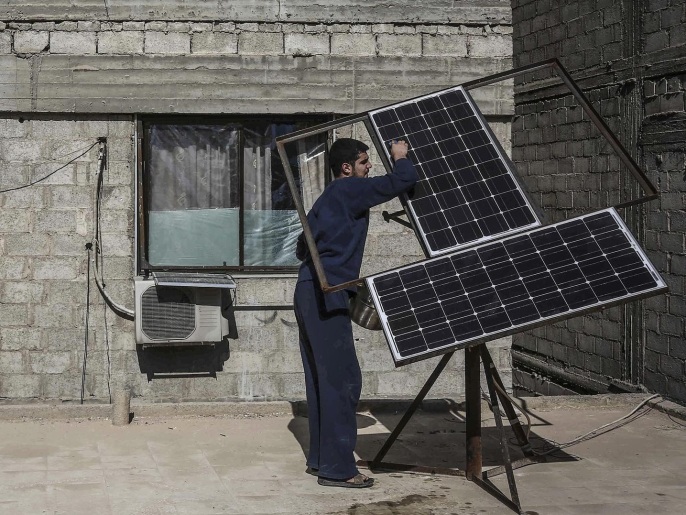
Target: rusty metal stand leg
516, 425
472, 380
376, 462
504, 447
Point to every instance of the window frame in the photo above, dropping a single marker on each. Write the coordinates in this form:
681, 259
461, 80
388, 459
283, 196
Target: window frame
142, 123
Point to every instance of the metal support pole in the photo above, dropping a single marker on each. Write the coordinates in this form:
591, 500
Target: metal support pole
504, 447
472, 379
507, 405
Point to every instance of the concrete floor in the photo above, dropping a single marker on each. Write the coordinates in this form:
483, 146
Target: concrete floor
255, 464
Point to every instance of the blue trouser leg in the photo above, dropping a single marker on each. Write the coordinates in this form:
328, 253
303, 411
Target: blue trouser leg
333, 379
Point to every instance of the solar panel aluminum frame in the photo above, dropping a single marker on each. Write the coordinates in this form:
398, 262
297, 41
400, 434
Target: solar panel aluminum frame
400, 360
407, 201
649, 189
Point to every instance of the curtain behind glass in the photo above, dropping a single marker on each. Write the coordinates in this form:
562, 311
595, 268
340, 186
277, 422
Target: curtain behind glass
193, 195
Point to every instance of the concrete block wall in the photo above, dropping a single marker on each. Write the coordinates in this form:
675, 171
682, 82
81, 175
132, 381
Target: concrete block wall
71, 78
630, 59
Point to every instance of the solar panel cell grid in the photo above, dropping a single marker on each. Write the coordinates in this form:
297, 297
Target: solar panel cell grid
447, 301
454, 151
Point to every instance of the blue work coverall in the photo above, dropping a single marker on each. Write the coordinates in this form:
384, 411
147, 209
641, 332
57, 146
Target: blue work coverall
339, 220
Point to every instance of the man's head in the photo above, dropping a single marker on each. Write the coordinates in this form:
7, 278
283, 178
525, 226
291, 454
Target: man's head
348, 158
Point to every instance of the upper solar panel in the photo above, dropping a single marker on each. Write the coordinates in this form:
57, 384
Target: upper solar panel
466, 192
503, 287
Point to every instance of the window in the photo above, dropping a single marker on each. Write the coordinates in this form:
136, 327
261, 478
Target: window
214, 194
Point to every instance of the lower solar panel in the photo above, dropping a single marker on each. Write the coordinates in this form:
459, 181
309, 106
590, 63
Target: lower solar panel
500, 288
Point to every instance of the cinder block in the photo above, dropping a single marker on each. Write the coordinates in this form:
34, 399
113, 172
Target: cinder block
55, 268
167, 43
306, 44
67, 25
65, 339
117, 197
20, 338
270, 27
20, 386
27, 244
72, 43
399, 45
225, 27
156, 26
5, 43
177, 26
31, 42
653, 42
200, 27
11, 127
55, 221
125, 42
353, 45
261, 291
214, 43
13, 267
133, 25
395, 381
14, 315
21, 150
490, 46
11, 362
64, 316
91, 26
671, 367
444, 45
117, 244
14, 221
50, 362
260, 43
65, 388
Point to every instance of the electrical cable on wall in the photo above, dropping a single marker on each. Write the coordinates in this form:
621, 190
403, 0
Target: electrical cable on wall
89, 246
120, 310
51, 173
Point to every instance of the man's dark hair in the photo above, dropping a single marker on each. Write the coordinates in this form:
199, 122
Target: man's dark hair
344, 150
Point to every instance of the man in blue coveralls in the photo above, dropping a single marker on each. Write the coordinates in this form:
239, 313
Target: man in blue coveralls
333, 380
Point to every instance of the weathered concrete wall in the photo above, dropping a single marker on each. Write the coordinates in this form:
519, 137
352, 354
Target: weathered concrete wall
293, 11
630, 59
190, 67
70, 73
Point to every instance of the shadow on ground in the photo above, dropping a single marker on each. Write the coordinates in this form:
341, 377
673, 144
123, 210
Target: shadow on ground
434, 437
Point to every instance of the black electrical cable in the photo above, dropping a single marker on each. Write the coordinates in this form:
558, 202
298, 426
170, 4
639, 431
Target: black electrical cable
107, 347
51, 173
89, 246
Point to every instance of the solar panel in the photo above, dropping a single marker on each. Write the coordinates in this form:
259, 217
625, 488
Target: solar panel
467, 192
499, 288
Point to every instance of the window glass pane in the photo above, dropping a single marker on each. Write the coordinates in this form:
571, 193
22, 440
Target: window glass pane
271, 223
193, 195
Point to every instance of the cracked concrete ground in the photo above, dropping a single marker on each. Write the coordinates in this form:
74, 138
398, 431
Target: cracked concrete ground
246, 464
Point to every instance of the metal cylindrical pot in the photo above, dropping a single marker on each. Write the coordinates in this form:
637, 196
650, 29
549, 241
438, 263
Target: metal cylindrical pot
362, 310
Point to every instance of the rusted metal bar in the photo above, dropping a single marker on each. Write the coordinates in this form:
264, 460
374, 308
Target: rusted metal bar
507, 405
472, 377
504, 447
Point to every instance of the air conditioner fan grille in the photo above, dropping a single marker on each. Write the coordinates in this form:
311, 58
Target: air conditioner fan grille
167, 314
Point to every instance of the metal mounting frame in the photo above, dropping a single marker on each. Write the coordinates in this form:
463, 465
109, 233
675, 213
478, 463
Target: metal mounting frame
651, 193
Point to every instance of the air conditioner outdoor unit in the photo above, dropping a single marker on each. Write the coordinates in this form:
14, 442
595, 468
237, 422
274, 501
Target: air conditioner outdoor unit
176, 314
